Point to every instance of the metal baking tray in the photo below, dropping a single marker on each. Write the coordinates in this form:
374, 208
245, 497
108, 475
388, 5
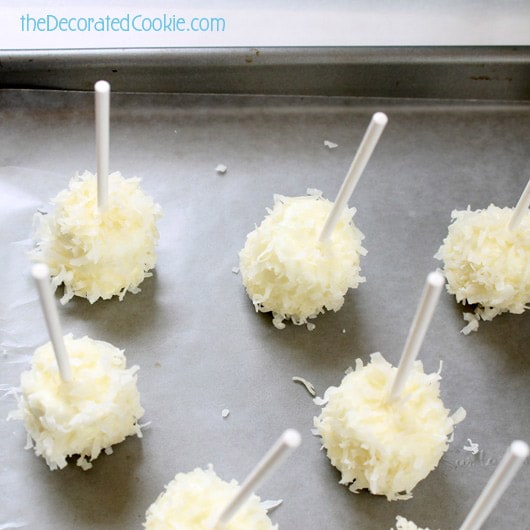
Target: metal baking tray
193, 331
447, 72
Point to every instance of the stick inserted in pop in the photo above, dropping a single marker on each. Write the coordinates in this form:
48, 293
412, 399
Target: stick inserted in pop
513, 459
290, 439
102, 100
369, 141
521, 208
429, 299
41, 275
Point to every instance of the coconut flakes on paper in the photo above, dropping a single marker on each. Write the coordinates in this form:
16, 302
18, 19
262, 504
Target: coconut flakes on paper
472, 447
269, 506
404, 524
309, 386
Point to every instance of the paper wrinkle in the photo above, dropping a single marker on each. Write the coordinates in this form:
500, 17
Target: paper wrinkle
20, 331
6, 391
20, 305
13, 354
14, 199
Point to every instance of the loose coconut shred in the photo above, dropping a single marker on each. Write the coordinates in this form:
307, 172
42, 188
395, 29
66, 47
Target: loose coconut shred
385, 447
308, 385
487, 264
98, 409
193, 500
99, 254
403, 524
286, 270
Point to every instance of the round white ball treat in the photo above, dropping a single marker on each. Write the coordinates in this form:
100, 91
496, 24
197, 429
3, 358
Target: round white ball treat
100, 407
99, 253
192, 501
385, 447
288, 271
404, 524
486, 263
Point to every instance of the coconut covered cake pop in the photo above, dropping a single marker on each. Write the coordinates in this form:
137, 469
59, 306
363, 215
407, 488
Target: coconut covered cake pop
304, 256
97, 409
486, 263
99, 241
200, 500
192, 500
99, 252
384, 428
287, 270
385, 447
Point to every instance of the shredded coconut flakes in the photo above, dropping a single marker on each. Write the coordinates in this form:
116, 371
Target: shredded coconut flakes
309, 386
100, 408
472, 447
286, 270
99, 254
385, 448
269, 506
194, 499
403, 524
486, 264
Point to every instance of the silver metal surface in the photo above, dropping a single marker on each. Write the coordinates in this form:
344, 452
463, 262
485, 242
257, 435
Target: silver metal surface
193, 331
494, 73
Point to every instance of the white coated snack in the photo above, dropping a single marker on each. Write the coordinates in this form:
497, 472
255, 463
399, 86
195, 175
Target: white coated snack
99, 408
99, 253
385, 447
487, 264
192, 501
403, 524
286, 270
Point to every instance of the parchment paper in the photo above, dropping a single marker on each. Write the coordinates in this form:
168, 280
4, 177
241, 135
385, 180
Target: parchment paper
192, 330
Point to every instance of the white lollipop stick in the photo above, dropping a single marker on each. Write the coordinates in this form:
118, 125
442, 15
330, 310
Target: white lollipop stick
520, 209
422, 319
371, 137
41, 274
513, 459
290, 439
102, 96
